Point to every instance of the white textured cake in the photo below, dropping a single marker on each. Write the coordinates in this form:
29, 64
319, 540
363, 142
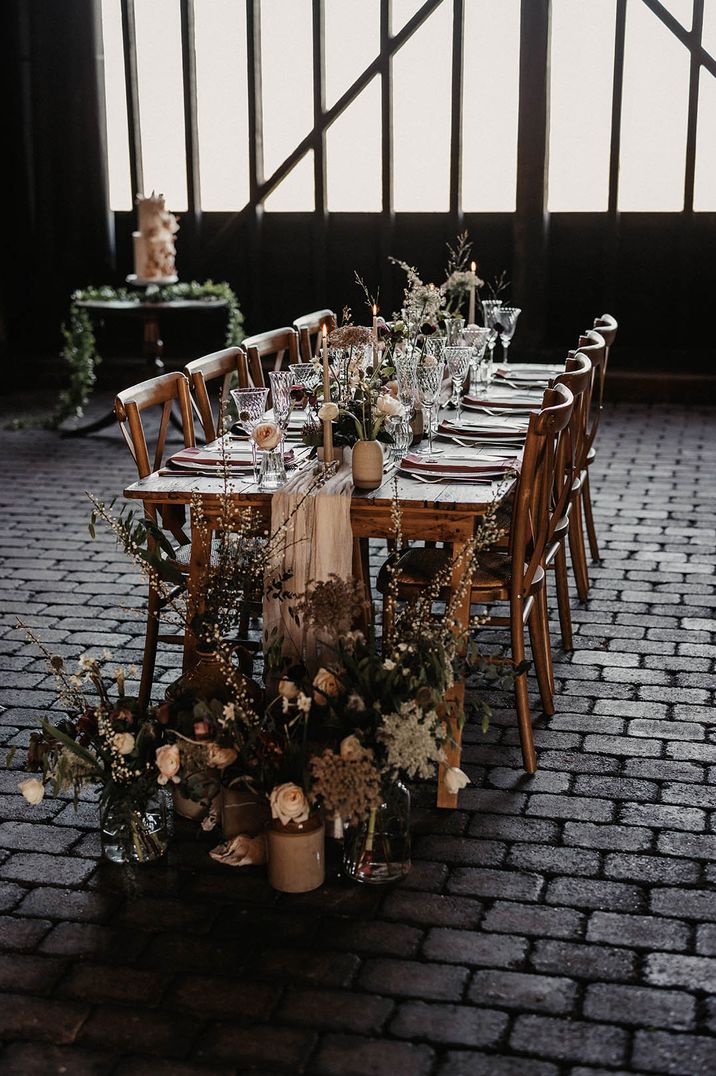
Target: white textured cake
154, 247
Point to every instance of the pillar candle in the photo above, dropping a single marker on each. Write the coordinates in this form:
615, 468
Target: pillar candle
471, 311
327, 426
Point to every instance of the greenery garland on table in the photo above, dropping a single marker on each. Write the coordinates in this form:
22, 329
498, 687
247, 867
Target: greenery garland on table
80, 350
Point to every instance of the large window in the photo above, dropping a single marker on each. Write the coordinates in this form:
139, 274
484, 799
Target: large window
302, 105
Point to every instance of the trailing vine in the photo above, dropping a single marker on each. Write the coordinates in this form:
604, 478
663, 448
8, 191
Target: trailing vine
80, 347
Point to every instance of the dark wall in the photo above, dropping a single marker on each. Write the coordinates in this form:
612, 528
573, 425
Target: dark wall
655, 272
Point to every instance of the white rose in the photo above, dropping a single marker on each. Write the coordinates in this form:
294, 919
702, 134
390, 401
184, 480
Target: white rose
32, 789
123, 742
303, 702
455, 779
328, 412
221, 757
266, 435
351, 748
389, 406
287, 689
289, 804
326, 685
168, 761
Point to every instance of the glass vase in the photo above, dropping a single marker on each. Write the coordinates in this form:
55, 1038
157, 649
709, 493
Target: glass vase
377, 851
131, 835
272, 472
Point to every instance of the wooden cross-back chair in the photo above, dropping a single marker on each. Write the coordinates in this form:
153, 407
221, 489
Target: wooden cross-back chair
272, 350
162, 392
592, 344
222, 367
515, 575
309, 328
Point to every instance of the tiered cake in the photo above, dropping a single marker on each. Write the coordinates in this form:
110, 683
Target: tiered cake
154, 247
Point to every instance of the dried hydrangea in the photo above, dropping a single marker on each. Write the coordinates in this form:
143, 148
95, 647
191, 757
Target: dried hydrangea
349, 787
333, 605
348, 336
412, 739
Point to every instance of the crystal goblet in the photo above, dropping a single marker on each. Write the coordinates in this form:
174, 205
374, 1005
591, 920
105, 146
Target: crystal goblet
489, 315
505, 324
429, 379
250, 407
458, 362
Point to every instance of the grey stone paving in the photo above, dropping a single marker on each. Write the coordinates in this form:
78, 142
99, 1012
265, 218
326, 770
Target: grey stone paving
558, 925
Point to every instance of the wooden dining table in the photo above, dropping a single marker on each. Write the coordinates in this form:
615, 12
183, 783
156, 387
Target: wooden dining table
443, 511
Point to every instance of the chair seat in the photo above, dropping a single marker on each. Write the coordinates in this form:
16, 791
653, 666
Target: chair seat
418, 567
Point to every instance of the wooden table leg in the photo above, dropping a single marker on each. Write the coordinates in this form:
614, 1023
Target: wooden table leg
198, 571
456, 695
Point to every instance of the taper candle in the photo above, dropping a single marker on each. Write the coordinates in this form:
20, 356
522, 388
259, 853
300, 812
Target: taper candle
327, 426
471, 310
375, 335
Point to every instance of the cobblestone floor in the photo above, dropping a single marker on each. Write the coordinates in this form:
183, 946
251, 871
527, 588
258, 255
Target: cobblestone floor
556, 925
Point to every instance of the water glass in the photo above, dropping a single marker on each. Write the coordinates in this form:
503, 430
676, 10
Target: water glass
281, 384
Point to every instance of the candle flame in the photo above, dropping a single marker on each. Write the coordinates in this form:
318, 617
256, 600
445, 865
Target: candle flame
324, 330
473, 267
375, 309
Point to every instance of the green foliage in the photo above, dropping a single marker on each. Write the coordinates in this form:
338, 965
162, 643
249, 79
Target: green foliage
80, 347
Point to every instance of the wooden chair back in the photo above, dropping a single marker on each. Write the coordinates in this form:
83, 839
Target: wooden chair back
535, 513
577, 377
269, 351
221, 367
162, 391
607, 326
592, 345
309, 327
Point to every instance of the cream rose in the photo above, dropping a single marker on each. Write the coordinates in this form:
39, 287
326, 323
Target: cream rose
351, 748
123, 742
221, 757
33, 790
328, 412
168, 762
267, 435
289, 804
326, 685
455, 779
287, 689
389, 406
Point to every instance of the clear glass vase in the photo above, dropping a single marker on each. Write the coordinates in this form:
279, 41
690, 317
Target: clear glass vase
377, 851
135, 836
272, 472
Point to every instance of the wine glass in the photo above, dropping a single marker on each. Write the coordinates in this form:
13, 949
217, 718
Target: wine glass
405, 363
453, 330
281, 384
429, 379
250, 407
307, 374
476, 337
435, 345
505, 324
490, 307
458, 361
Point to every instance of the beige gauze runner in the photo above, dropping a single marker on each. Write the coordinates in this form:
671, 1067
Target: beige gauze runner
318, 544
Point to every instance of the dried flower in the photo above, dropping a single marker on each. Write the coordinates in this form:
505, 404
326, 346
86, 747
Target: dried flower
32, 789
349, 787
123, 742
326, 685
412, 739
332, 605
348, 336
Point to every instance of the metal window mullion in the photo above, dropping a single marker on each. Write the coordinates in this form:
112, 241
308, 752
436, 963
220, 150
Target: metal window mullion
691, 127
386, 109
129, 41
191, 134
458, 31
683, 35
255, 103
319, 105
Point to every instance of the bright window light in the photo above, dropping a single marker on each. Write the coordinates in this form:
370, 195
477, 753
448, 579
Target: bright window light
352, 41
222, 103
708, 32
120, 182
161, 99
654, 114
705, 175
421, 117
353, 159
579, 147
490, 98
296, 194
287, 77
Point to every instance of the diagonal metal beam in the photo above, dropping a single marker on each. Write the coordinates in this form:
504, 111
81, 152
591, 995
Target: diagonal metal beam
686, 37
374, 68
691, 124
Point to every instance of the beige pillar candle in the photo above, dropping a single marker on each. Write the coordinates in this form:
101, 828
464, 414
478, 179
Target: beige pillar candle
327, 426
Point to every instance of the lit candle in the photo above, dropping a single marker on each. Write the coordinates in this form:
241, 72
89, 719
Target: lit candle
471, 310
327, 427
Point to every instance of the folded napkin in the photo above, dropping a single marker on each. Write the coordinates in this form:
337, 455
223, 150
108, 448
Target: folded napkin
207, 457
484, 429
448, 464
503, 403
319, 543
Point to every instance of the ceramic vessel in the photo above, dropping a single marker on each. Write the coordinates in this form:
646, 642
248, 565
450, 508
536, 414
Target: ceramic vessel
367, 464
296, 855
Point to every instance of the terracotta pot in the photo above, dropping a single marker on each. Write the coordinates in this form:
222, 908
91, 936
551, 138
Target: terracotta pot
243, 811
296, 855
367, 464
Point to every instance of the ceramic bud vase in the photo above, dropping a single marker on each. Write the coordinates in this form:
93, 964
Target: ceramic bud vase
296, 855
367, 464
243, 810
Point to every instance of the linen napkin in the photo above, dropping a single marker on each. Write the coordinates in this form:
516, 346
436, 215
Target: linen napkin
318, 543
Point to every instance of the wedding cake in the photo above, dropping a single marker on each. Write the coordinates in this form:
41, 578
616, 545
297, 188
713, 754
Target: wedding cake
154, 247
